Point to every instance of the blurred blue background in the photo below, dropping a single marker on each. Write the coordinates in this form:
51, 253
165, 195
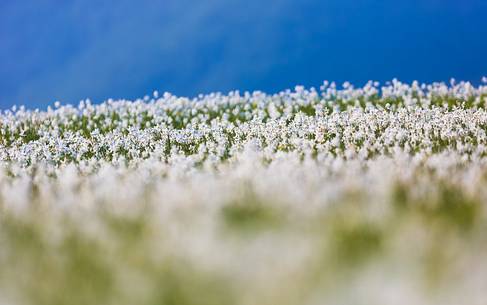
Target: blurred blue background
70, 50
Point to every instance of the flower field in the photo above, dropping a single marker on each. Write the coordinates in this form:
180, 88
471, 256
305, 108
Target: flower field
336, 195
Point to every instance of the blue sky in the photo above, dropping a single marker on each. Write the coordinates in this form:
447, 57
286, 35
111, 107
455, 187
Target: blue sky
71, 50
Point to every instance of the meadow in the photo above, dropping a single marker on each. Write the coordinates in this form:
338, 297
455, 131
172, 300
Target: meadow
336, 195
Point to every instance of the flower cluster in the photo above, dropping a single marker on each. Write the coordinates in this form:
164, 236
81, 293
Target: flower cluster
338, 195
